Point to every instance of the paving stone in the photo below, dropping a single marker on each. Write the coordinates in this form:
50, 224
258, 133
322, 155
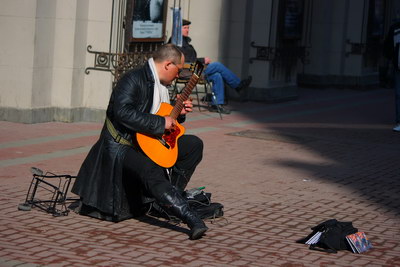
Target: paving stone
279, 169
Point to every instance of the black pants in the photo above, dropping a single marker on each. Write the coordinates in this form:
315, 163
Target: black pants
154, 178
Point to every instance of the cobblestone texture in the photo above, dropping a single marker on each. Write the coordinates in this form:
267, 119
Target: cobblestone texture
279, 169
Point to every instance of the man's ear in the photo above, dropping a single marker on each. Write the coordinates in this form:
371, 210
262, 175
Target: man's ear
167, 64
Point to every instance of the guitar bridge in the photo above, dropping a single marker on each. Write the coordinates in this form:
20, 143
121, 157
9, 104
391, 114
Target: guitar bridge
163, 142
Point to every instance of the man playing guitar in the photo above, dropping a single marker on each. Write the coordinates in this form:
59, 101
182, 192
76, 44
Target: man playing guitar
119, 170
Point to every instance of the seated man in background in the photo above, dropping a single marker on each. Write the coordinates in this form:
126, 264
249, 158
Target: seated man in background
216, 72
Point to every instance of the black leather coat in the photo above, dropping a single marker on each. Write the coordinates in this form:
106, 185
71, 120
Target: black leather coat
100, 183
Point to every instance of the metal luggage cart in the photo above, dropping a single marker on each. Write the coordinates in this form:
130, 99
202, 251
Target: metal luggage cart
48, 192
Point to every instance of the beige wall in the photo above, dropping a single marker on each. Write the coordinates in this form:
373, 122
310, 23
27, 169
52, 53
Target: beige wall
218, 31
43, 54
56, 87
17, 28
259, 31
330, 32
336, 24
97, 86
43, 57
217, 28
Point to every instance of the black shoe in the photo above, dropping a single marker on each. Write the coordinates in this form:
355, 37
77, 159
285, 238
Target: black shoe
173, 202
220, 109
244, 84
197, 230
207, 98
180, 178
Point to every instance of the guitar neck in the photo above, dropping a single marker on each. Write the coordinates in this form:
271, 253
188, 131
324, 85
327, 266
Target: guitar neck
184, 96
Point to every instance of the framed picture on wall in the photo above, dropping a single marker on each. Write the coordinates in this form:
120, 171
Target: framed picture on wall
146, 20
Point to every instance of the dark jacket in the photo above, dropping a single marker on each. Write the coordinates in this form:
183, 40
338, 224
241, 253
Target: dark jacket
391, 50
100, 183
189, 51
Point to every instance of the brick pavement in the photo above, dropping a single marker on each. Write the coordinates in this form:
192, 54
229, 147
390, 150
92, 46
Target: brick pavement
279, 169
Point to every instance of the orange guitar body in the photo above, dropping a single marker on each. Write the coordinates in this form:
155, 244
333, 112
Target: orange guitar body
163, 151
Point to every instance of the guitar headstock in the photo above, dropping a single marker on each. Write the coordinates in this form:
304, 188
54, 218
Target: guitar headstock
197, 68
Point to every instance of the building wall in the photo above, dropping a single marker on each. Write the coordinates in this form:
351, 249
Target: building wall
260, 35
44, 54
274, 79
218, 31
332, 27
336, 27
44, 57
17, 28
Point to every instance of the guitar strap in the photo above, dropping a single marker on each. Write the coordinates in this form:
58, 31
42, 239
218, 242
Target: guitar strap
114, 133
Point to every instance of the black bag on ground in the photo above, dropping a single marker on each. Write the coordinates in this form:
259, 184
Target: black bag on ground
201, 203
333, 236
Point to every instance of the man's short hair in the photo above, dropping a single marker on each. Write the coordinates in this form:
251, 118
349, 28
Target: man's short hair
168, 52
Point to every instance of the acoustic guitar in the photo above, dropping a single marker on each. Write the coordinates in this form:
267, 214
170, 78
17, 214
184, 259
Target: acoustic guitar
163, 150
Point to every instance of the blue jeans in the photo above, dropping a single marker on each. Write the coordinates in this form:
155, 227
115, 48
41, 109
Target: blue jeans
397, 93
217, 74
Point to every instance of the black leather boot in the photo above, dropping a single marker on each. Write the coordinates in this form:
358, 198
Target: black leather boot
172, 201
180, 178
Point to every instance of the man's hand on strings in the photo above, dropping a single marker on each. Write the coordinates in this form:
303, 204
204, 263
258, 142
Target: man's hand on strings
169, 123
187, 105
